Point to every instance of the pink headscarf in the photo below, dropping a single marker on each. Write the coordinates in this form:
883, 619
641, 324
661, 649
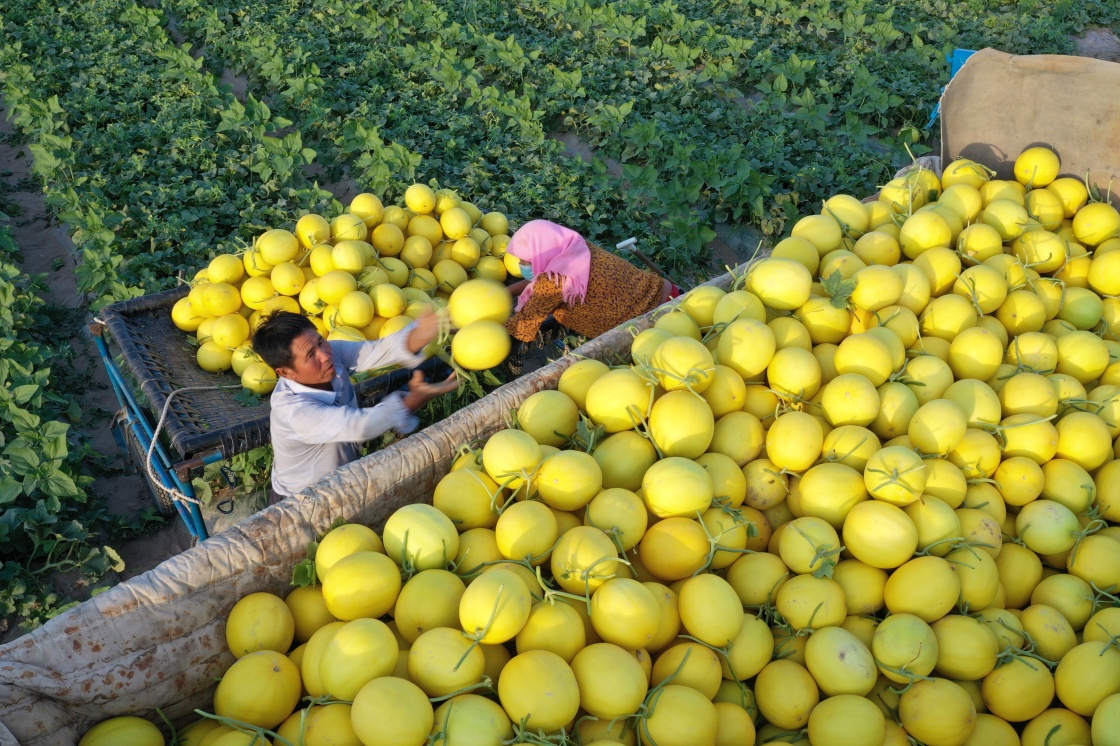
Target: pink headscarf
553, 249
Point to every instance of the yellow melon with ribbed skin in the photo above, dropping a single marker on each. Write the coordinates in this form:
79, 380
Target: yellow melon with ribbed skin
620, 399
226, 268
823, 231
349, 256
965, 171
360, 651
213, 358
259, 378
126, 730
568, 480
356, 309
700, 303
480, 300
576, 380
312, 230
1037, 167
1009, 218
185, 316
878, 247
420, 198
261, 689
1042, 250
389, 240
681, 424
388, 300
491, 268
683, 363
794, 441
391, 710
850, 399
895, 475
799, 250
747, 346
676, 486
480, 345
277, 245
549, 416
287, 279
368, 207
345, 227
923, 231
332, 287
455, 223
793, 374
849, 212
866, 355
876, 287
781, 284
624, 458
449, 275
220, 298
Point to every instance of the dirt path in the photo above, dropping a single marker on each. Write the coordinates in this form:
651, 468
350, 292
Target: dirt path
48, 250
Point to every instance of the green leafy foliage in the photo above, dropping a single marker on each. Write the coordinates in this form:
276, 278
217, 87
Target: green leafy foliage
838, 290
700, 111
238, 476
49, 523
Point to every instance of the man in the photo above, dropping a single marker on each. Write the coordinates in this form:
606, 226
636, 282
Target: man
316, 422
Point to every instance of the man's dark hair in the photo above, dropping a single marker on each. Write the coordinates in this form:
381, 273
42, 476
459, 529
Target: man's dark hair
273, 338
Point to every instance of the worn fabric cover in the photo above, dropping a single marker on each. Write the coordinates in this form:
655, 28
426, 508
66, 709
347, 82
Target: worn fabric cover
158, 640
1000, 104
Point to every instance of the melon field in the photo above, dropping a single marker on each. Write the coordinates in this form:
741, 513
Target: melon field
159, 135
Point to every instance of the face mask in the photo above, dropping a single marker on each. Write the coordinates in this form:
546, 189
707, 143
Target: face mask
527, 271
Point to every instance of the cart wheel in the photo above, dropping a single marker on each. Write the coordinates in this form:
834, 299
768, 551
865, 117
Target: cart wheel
160, 494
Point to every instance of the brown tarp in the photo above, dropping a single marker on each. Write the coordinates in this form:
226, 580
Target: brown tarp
158, 640
1000, 104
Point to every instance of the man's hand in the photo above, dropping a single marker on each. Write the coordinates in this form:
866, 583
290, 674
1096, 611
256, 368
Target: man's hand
420, 391
427, 328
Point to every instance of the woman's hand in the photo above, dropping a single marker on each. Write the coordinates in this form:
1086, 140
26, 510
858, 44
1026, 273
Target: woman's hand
518, 287
420, 392
426, 330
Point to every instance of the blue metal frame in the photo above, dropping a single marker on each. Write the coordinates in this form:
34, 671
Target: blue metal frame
956, 60
137, 421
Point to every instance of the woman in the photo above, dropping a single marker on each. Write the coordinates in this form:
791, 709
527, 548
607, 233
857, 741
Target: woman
587, 289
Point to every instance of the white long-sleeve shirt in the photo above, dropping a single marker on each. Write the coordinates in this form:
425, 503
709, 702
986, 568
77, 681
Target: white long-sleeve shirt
316, 431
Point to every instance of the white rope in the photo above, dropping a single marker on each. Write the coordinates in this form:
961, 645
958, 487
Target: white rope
175, 493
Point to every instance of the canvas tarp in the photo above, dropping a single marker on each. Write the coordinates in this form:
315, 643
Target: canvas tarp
1000, 104
158, 640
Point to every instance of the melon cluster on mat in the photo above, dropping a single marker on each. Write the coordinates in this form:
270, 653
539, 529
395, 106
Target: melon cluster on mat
868, 496
365, 274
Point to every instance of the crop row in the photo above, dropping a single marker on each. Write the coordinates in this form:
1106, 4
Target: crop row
740, 111
49, 520
141, 155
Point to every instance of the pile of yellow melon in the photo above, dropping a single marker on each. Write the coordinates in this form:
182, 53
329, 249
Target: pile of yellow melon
365, 274
868, 497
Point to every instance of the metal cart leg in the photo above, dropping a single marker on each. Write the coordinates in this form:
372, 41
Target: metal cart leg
141, 430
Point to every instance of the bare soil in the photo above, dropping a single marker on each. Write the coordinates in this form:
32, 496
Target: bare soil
1099, 43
